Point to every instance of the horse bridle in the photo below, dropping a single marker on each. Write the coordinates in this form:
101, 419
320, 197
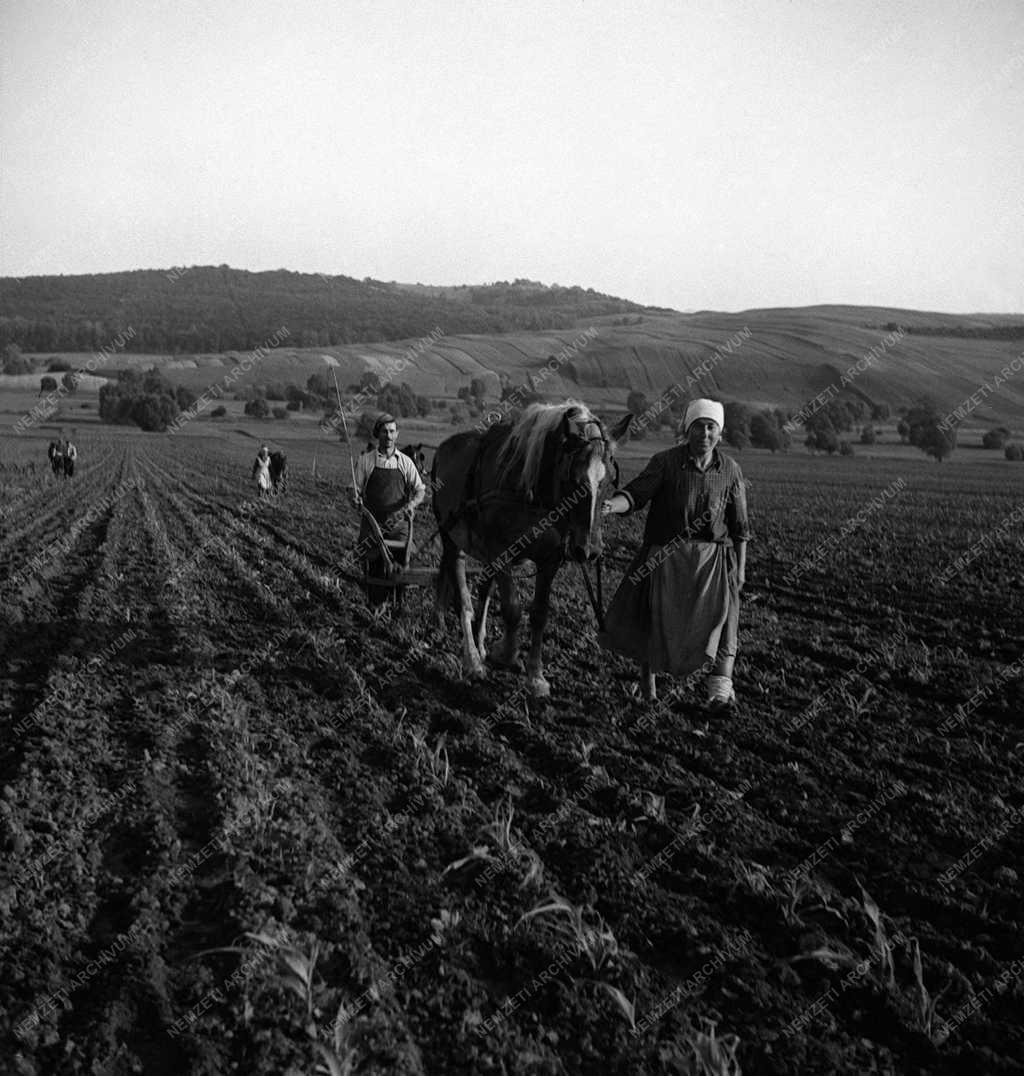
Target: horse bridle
575, 443
578, 444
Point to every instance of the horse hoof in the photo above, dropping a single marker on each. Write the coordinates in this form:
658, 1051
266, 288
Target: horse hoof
539, 687
477, 672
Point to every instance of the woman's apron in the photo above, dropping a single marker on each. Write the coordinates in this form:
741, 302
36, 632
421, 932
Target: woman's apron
673, 605
263, 475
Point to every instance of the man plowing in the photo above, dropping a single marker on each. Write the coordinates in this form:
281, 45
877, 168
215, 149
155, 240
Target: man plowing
388, 489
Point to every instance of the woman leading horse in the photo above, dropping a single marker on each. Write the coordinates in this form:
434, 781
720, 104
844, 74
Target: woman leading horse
677, 609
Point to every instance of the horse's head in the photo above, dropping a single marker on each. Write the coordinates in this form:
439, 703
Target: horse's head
584, 461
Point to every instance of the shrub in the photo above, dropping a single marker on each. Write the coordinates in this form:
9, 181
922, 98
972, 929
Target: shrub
1014, 452
845, 448
823, 440
280, 412
996, 438
48, 384
153, 413
766, 431
14, 362
402, 402
636, 402
478, 388
58, 366
321, 386
737, 425
146, 399
929, 432
364, 427
258, 408
868, 435
219, 411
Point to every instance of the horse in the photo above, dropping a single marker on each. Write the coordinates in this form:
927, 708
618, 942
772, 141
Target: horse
70, 455
526, 490
278, 471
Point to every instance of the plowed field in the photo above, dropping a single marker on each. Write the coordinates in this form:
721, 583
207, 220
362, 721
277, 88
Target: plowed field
251, 827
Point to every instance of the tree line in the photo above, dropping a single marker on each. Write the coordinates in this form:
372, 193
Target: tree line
209, 309
962, 332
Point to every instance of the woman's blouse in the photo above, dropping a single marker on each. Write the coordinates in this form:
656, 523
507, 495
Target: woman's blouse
687, 503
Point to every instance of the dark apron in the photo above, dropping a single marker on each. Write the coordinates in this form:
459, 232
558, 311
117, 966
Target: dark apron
384, 497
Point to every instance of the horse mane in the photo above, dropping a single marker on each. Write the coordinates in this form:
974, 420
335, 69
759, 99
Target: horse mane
523, 450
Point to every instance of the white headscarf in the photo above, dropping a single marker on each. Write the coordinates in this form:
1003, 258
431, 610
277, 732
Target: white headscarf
711, 409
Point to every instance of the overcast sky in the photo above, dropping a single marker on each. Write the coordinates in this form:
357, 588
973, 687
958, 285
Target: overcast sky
697, 155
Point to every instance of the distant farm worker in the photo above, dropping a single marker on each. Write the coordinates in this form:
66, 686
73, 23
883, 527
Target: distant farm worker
55, 454
70, 457
677, 608
390, 488
261, 471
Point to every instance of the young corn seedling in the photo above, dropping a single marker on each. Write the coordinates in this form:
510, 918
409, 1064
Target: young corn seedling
435, 762
628, 1007
478, 853
795, 890
445, 924
857, 708
927, 1012
881, 948
440, 768
798, 896
921, 668
295, 969
366, 698
511, 849
755, 875
597, 943
714, 1056
513, 854
295, 972
339, 1058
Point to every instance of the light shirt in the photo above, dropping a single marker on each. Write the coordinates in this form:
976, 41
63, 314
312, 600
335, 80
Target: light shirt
398, 461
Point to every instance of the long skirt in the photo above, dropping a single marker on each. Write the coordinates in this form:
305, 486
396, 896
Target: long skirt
676, 606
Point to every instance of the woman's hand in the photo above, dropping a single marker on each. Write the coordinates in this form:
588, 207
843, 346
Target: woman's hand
615, 505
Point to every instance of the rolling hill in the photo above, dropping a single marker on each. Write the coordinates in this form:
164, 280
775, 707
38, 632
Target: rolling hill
779, 358
216, 308
603, 347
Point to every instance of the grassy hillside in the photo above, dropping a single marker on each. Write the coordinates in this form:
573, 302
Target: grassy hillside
778, 357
